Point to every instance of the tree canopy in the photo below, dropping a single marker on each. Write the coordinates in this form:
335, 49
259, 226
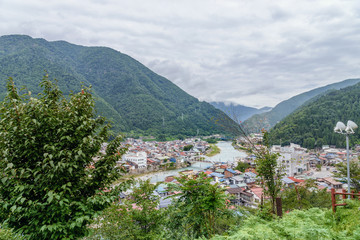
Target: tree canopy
52, 173
312, 125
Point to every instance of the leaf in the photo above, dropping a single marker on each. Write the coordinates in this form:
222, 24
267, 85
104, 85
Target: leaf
4, 179
12, 209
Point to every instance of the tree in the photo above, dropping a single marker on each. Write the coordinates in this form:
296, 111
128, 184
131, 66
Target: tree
305, 197
188, 148
51, 185
270, 172
197, 207
242, 166
136, 218
161, 138
354, 173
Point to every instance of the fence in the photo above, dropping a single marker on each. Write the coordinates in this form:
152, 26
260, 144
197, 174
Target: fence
344, 194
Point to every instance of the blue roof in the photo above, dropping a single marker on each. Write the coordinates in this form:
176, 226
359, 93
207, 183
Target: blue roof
173, 160
287, 180
230, 170
222, 179
215, 174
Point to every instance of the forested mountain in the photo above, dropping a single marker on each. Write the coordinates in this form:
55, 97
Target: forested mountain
268, 119
313, 124
237, 112
133, 97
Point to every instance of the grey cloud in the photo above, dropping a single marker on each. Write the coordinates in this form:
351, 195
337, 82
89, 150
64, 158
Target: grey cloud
253, 53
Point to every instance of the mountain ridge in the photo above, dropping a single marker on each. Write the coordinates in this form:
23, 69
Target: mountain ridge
135, 98
267, 120
312, 125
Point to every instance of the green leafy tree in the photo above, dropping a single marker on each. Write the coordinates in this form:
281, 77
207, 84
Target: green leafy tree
270, 172
8, 234
305, 197
211, 140
188, 148
198, 207
50, 184
135, 218
242, 166
354, 173
161, 138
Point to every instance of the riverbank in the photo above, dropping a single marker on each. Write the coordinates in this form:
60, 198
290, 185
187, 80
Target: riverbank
214, 150
227, 154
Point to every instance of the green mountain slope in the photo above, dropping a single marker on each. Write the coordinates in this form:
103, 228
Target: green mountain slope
268, 119
313, 124
133, 97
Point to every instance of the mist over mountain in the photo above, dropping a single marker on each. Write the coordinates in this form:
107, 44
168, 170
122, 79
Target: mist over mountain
237, 112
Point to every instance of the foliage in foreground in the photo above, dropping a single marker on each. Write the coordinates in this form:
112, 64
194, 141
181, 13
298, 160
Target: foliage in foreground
311, 224
134, 218
48, 189
8, 234
200, 210
354, 173
198, 207
305, 197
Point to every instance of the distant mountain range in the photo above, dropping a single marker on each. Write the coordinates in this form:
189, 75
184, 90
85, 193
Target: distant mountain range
268, 119
237, 112
135, 99
312, 125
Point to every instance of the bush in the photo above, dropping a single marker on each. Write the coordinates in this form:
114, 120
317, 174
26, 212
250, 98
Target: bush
311, 224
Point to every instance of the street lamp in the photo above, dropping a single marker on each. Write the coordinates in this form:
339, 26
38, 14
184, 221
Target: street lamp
349, 129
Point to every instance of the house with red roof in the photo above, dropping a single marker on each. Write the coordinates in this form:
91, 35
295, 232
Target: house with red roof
297, 181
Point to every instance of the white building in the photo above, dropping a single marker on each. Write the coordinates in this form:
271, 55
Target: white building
139, 158
293, 158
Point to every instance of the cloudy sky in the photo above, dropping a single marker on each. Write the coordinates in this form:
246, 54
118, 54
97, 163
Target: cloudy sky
250, 52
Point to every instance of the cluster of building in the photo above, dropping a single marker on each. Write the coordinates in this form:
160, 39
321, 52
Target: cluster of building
241, 186
295, 160
297, 164
142, 155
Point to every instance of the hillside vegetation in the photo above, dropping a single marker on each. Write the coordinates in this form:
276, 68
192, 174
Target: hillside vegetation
133, 97
268, 120
313, 124
311, 224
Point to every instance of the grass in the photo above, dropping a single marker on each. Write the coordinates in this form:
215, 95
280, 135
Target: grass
214, 150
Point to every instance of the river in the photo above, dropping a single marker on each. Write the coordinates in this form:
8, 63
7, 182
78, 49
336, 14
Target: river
227, 154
